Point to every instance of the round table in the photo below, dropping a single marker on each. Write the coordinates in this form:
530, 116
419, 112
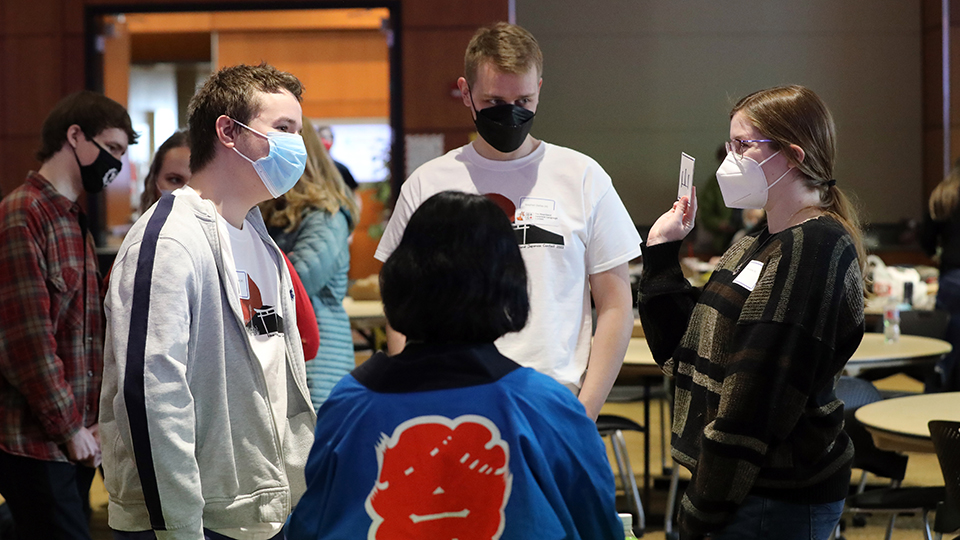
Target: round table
366, 316
900, 424
874, 352
639, 359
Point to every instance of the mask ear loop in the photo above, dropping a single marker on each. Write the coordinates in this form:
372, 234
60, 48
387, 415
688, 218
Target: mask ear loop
472, 104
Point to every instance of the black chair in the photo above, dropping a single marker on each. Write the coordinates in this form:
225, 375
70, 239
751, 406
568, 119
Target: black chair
614, 426
894, 500
946, 441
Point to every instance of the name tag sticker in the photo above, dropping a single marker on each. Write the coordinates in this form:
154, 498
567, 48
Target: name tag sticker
748, 276
243, 285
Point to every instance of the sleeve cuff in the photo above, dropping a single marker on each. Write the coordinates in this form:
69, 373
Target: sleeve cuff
661, 257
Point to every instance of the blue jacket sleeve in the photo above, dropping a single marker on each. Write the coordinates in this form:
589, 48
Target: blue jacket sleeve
319, 246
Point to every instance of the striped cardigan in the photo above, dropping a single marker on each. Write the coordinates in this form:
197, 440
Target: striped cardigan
755, 370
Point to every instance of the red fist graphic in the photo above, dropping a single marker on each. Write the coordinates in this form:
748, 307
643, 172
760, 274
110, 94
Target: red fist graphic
441, 479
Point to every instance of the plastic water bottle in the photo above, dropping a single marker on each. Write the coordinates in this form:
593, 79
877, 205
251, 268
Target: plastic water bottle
627, 520
891, 321
907, 296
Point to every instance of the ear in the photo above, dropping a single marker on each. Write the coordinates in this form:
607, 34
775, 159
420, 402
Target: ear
464, 92
74, 133
797, 153
227, 131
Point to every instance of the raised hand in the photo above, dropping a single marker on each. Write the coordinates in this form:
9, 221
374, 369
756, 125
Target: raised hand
676, 223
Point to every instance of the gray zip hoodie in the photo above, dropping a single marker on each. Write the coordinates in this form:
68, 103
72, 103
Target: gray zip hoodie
188, 437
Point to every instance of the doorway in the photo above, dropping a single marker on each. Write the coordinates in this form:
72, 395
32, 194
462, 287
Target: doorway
347, 58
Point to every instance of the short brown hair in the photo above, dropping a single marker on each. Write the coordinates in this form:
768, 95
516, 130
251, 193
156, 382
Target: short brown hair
231, 92
509, 47
91, 111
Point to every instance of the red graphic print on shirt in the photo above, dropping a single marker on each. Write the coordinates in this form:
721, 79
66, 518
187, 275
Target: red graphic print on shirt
441, 478
260, 320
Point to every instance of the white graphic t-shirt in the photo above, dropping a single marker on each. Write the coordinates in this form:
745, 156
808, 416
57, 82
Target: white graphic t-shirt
570, 224
257, 285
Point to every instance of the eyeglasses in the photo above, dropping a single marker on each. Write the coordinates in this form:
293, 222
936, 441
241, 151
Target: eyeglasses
738, 146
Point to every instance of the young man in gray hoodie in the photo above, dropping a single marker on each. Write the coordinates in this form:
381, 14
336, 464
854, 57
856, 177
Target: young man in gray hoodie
205, 415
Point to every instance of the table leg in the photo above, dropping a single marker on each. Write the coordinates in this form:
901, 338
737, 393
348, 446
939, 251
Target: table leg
646, 440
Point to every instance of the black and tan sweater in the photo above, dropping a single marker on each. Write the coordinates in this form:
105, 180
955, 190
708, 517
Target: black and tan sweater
755, 370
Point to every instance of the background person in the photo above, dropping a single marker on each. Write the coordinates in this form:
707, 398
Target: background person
756, 353
941, 229
576, 236
311, 223
451, 431
326, 137
169, 170
51, 328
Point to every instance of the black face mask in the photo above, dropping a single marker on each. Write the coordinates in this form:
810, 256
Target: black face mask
505, 126
99, 173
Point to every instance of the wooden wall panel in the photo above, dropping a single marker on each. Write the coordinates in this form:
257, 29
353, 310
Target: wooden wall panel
344, 73
340, 19
72, 76
31, 81
17, 152
447, 14
32, 17
72, 18
3, 90
436, 57
180, 47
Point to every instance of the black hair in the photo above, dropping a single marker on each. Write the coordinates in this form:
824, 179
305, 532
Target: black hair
91, 111
457, 274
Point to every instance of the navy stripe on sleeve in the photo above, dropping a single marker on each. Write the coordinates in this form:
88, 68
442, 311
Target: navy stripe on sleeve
133, 386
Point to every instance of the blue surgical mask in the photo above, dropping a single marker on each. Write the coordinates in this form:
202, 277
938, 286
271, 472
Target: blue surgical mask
283, 166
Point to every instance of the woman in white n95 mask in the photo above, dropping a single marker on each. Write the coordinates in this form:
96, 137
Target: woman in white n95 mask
756, 353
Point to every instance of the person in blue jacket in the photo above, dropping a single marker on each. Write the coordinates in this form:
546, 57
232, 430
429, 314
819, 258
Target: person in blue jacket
312, 223
449, 438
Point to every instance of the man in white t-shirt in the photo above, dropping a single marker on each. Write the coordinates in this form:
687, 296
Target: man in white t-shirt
204, 400
575, 235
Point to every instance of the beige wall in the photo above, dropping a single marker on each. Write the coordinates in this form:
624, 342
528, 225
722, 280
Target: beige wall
635, 83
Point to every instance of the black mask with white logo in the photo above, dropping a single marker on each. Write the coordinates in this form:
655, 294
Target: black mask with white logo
504, 127
99, 173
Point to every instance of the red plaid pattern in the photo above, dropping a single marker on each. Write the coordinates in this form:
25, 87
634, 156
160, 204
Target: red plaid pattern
51, 325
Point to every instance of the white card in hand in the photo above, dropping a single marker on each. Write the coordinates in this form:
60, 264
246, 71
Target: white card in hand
686, 176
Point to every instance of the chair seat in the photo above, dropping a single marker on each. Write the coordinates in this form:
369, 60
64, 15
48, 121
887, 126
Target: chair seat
607, 423
906, 498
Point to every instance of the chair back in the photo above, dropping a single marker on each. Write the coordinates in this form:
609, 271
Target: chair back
946, 441
856, 393
923, 322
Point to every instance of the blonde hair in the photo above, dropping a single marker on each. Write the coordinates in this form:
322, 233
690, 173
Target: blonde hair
943, 200
796, 115
509, 47
321, 187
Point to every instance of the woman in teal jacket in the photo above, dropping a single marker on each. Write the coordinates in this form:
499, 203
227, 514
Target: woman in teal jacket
312, 224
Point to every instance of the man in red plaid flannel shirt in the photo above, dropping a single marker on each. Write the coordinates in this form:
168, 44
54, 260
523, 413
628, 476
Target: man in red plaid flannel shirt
51, 327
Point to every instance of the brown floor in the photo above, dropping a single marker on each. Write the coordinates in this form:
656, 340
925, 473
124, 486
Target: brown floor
922, 469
